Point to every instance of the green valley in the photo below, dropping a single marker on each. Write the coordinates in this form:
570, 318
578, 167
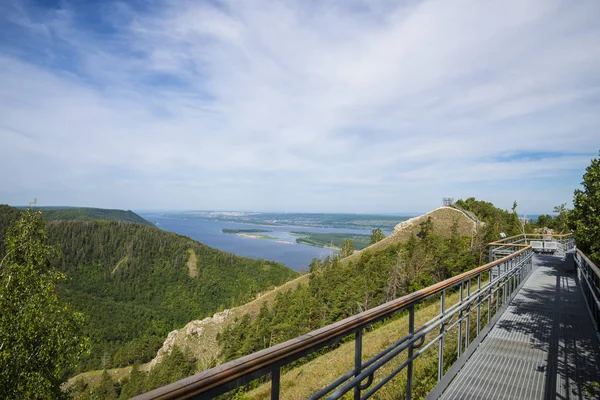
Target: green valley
134, 284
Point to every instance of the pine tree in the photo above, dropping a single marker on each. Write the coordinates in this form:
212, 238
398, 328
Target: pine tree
347, 248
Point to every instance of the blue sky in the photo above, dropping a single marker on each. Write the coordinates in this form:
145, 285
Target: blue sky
334, 106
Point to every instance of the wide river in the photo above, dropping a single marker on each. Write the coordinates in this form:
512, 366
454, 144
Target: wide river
295, 255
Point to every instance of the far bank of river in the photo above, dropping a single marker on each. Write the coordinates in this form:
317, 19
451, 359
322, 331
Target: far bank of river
283, 248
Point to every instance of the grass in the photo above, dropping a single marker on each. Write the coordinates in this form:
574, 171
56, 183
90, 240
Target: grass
192, 264
92, 378
443, 219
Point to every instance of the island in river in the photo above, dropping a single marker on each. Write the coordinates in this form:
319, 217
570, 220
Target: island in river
254, 234
206, 227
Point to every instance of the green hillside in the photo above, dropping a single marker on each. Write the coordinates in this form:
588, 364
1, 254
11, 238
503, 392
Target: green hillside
91, 214
137, 283
333, 240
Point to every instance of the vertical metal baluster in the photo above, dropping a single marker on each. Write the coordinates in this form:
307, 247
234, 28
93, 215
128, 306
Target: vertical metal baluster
478, 301
504, 286
468, 327
510, 278
441, 345
275, 378
409, 372
357, 361
460, 322
498, 281
491, 297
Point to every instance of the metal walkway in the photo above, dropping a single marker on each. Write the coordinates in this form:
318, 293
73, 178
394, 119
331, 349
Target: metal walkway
543, 347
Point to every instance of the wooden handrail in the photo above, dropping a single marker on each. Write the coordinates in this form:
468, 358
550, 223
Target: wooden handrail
503, 241
223, 374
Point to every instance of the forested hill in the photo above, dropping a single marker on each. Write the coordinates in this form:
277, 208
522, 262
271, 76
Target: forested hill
137, 283
91, 214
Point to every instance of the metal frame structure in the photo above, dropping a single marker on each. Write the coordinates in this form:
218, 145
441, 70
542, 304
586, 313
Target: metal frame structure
483, 293
589, 282
502, 248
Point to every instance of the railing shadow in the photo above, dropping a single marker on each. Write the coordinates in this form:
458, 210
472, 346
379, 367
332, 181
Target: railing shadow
555, 317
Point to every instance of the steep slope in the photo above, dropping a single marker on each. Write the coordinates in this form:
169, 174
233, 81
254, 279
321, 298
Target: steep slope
198, 338
136, 283
92, 214
332, 291
443, 219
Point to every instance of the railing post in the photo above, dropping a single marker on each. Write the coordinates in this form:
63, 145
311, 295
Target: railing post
357, 361
275, 382
468, 327
511, 278
497, 294
409, 371
490, 297
505, 284
460, 321
478, 302
441, 345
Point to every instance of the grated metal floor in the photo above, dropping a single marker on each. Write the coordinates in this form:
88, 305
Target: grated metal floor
543, 347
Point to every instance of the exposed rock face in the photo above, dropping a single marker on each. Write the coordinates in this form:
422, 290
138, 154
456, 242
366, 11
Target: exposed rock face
197, 336
442, 213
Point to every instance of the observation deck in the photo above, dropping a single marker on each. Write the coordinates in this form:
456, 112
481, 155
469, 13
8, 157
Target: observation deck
524, 326
544, 346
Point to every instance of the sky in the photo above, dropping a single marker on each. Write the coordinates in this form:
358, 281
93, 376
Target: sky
297, 106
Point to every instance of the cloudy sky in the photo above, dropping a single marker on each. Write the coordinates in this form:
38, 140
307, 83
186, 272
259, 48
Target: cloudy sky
308, 105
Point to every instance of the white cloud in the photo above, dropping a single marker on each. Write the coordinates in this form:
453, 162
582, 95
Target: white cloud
290, 106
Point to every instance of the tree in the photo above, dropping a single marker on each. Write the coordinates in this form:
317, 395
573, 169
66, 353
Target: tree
134, 384
40, 338
105, 390
347, 248
376, 236
426, 227
561, 221
585, 217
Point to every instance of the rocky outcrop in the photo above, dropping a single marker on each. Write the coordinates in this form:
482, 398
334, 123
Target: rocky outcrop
198, 337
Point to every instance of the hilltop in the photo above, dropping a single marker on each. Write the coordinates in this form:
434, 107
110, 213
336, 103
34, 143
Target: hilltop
443, 220
91, 214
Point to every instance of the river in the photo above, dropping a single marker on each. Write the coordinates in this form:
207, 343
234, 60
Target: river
295, 255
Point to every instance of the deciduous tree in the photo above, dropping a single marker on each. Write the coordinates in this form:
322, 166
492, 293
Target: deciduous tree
585, 218
40, 337
376, 236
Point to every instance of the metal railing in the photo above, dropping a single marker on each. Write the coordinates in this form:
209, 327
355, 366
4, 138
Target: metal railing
480, 294
503, 247
589, 282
